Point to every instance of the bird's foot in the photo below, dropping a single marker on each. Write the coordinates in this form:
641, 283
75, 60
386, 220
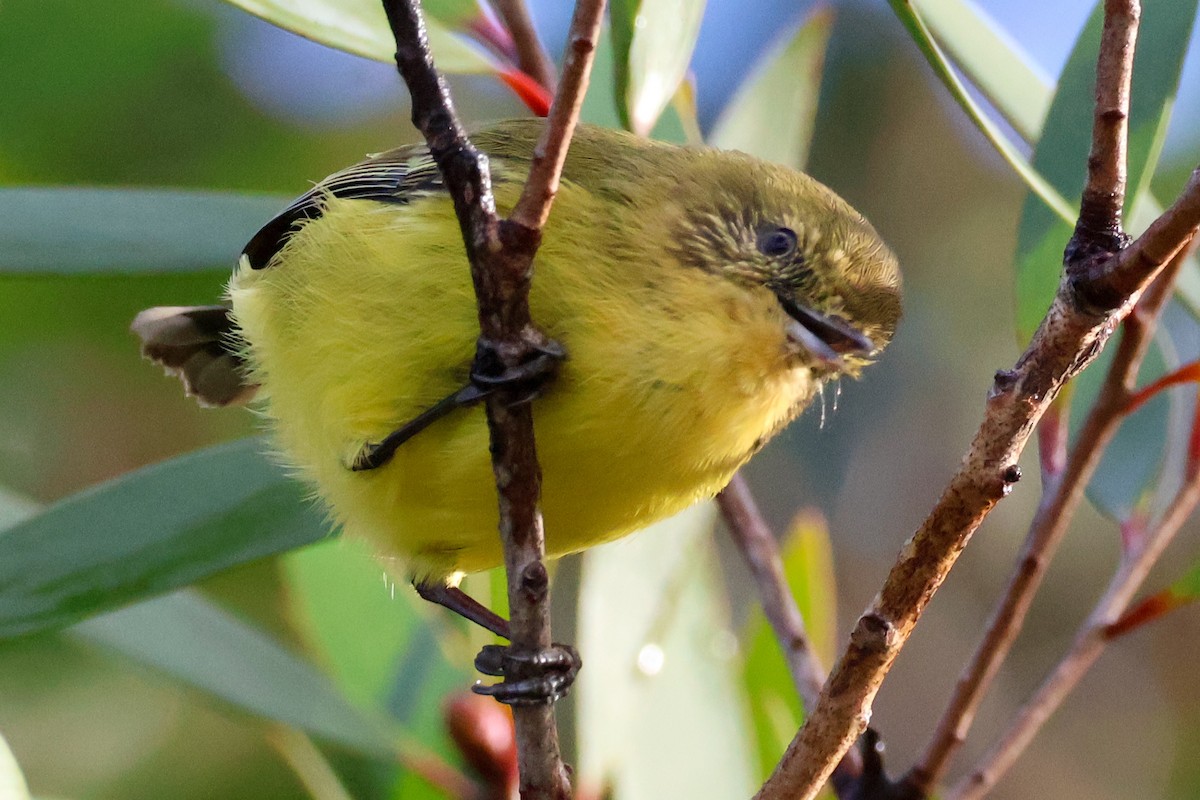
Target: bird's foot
536, 677
524, 381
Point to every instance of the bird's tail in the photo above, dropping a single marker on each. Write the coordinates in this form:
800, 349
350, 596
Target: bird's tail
197, 344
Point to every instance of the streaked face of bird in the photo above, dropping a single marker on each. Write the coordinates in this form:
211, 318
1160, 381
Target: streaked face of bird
836, 282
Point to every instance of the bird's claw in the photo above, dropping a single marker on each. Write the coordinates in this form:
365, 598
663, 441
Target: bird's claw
536, 677
528, 377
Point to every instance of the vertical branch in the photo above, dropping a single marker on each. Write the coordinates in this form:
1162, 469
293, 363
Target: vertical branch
501, 254
1099, 224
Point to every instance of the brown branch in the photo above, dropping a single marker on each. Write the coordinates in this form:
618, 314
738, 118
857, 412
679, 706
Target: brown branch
1103, 198
1060, 500
1071, 335
501, 256
1102, 285
533, 209
532, 57
1089, 644
1065, 343
757, 544
754, 539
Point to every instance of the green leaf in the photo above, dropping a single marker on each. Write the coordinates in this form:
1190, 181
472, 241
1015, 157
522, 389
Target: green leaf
1062, 150
775, 707
196, 643
993, 61
75, 230
600, 105
360, 27
382, 645
454, 14
773, 113
652, 48
370, 633
912, 19
149, 532
659, 709
1188, 587
12, 782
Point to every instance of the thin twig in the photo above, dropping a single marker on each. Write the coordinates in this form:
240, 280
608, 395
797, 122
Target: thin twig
1104, 194
1089, 644
501, 255
1071, 335
532, 57
757, 544
1046, 531
754, 538
533, 209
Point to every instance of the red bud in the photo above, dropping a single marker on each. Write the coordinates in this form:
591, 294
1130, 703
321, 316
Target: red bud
482, 729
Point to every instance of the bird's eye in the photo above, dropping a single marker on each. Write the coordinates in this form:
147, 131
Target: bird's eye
777, 242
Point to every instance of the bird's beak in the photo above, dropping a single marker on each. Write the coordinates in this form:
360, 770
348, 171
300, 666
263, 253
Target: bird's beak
826, 338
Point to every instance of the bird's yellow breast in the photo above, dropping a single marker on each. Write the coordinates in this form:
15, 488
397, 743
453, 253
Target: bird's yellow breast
367, 317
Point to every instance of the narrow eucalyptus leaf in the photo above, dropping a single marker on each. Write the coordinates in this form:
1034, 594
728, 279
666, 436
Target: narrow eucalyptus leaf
76, 230
773, 113
148, 532
360, 27
191, 640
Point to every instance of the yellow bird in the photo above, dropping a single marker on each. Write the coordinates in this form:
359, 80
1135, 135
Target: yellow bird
701, 296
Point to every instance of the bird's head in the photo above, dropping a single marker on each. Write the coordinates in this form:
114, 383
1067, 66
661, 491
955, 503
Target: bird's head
778, 231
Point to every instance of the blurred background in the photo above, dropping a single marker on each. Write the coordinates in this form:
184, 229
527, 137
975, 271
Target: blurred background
193, 93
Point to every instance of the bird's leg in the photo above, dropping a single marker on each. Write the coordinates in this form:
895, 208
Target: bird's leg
530, 677
529, 376
373, 456
463, 604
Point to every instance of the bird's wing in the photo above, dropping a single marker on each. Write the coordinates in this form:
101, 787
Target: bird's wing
397, 176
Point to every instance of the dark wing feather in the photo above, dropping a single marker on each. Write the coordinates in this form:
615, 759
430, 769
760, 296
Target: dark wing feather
397, 176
